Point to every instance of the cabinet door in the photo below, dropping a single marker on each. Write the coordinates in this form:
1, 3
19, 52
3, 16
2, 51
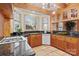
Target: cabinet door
71, 48
39, 40
61, 42
58, 42
74, 46
68, 47
64, 45
35, 40
78, 47
53, 41
32, 40
59, 45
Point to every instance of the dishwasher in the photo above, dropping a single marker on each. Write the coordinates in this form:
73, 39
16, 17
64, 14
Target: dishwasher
15, 46
46, 39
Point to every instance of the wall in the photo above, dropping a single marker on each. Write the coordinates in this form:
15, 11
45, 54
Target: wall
6, 13
73, 6
1, 25
6, 27
67, 9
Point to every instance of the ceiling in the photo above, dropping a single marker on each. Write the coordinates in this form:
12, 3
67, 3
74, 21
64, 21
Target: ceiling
43, 7
50, 6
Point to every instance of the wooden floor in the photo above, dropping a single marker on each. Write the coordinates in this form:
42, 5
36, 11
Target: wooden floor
49, 51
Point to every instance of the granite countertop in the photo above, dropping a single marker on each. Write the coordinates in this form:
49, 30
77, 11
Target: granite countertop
67, 35
10, 40
37, 33
72, 36
34, 33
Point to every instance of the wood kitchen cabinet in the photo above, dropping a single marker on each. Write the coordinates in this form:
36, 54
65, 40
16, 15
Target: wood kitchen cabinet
71, 48
72, 45
53, 41
35, 40
60, 42
66, 43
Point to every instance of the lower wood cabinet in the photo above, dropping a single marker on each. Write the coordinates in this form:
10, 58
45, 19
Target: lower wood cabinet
67, 44
35, 40
72, 46
60, 42
53, 41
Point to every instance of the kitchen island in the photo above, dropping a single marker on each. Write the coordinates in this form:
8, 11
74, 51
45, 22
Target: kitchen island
15, 46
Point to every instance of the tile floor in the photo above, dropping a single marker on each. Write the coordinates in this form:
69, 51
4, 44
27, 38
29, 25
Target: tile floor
49, 51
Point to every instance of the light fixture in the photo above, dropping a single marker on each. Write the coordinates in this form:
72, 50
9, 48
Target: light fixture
53, 12
53, 6
43, 5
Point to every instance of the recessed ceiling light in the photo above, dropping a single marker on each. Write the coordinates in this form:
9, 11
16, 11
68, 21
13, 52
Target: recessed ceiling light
53, 12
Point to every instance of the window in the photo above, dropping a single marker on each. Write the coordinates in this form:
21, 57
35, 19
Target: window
30, 22
16, 20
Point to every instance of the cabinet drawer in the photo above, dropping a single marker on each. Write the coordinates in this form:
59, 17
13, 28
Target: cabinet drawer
71, 40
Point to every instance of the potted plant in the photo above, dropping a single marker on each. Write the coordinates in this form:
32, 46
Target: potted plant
70, 26
19, 30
